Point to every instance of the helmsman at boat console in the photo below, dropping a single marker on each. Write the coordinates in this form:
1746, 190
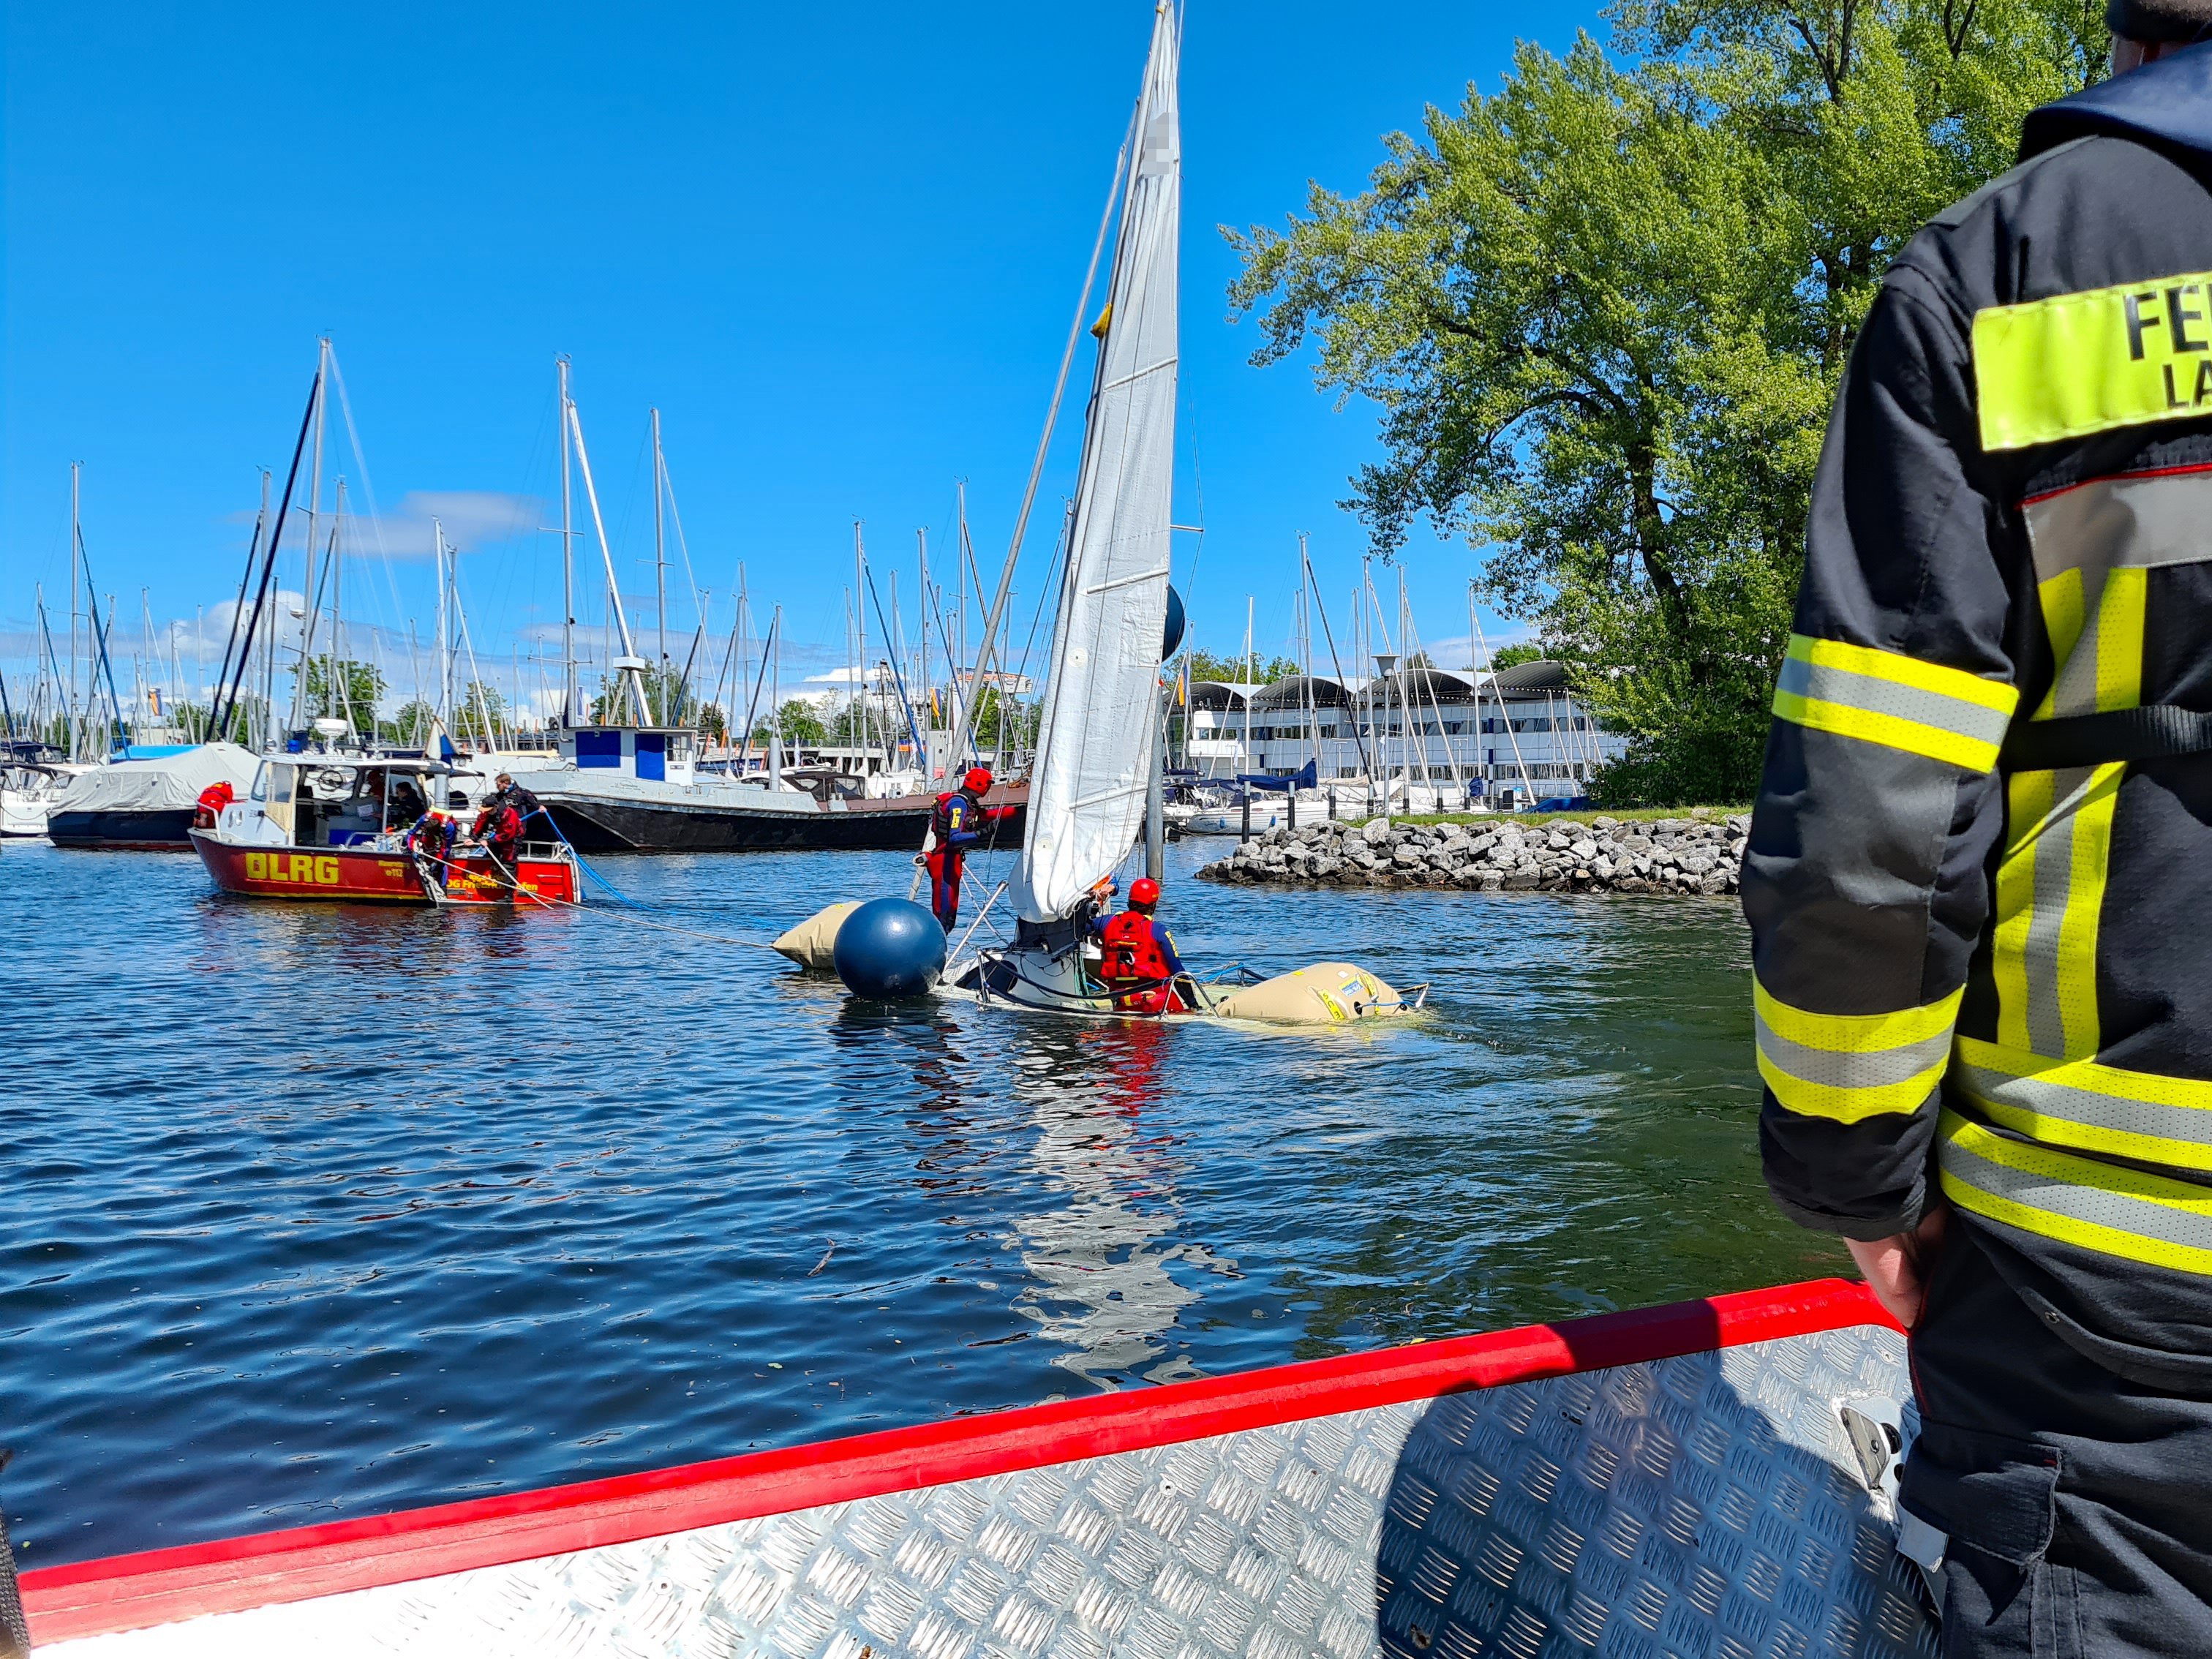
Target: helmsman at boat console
1979, 877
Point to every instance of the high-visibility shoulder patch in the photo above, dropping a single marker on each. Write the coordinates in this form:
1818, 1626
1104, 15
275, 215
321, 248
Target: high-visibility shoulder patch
2106, 357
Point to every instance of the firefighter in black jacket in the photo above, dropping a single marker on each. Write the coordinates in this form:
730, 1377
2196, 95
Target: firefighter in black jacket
1979, 878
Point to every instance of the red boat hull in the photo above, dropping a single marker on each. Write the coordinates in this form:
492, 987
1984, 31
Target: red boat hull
355, 876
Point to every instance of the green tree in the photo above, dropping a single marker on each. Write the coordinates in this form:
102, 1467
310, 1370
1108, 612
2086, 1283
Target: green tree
410, 724
1232, 670
670, 700
480, 715
336, 685
1512, 656
800, 722
1005, 722
1602, 311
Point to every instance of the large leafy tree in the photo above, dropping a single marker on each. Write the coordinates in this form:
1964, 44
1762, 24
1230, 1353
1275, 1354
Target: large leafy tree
342, 687
1602, 311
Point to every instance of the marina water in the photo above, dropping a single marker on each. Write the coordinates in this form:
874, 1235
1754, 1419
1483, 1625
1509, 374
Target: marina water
316, 1212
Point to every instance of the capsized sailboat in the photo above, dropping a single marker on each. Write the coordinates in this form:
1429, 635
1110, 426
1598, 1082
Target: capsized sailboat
1100, 745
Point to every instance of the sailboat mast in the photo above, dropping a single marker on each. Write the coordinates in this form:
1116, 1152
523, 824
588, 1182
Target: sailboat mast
310, 589
1244, 738
635, 681
1305, 654
74, 722
659, 580
339, 681
961, 694
445, 703
921, 677
776, 702
568, 557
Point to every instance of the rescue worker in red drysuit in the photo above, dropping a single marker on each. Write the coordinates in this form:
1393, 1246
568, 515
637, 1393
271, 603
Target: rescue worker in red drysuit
1140, 965
954, 827
430, 839
498, 827
212, 800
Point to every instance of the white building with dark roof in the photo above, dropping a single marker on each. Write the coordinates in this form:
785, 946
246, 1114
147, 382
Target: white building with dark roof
1520, 729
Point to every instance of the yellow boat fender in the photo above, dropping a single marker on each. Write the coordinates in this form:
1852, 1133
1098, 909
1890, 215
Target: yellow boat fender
1322, 993
812, 944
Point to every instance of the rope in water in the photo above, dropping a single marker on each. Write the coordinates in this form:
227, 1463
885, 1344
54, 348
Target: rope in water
609, 915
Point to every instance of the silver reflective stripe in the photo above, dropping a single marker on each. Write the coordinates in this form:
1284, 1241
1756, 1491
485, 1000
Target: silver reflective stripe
1824, 683
2053, 856
2189, 1125
2107, 524
1837, 1070
2100, 1206
2114, 524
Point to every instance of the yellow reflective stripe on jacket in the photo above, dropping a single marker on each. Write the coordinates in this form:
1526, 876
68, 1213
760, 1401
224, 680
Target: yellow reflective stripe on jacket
2107, 1208
2051, 879
1851, 1067
2087, 1106
1886, 697
2078, 363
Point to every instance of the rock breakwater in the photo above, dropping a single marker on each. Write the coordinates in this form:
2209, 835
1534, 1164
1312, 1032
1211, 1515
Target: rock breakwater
1695, 855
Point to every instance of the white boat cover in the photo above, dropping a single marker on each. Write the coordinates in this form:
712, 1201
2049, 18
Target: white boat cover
158, 786
1102, 701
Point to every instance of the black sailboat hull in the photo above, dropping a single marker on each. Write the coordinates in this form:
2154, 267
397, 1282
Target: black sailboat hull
167, 830
613, 826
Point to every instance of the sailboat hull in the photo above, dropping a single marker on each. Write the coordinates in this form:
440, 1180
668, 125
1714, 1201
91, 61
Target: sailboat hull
624, 825
165, 831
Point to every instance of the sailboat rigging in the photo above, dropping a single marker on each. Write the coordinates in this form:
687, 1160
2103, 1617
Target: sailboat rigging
1094, 785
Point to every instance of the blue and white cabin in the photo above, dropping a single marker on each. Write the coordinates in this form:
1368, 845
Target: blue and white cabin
656, 754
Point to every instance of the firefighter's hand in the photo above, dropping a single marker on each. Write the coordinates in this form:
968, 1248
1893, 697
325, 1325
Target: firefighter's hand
1897, 1268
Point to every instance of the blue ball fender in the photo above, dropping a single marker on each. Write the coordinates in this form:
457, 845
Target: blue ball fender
889, 948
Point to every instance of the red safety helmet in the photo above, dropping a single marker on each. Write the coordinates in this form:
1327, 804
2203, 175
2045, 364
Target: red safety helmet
977, 781
1143, 893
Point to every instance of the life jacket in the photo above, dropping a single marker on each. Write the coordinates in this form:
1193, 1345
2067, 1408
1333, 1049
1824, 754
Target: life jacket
506, 824
955, 815
1135, 969
212, 799
433, 827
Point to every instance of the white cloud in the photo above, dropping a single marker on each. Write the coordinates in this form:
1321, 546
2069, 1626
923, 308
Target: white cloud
472, 520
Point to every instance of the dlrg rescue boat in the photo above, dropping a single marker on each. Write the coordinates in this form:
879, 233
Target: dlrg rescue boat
1714, 1477
332, 826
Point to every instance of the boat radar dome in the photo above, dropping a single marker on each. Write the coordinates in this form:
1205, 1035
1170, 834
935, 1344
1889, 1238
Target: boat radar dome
889, 948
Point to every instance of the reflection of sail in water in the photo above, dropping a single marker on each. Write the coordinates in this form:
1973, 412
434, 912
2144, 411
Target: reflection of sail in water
1101, 1281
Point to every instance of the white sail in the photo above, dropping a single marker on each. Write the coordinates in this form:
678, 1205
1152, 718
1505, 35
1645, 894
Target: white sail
1100, 702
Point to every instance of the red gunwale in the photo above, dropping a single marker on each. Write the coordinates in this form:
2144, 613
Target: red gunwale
127, 1592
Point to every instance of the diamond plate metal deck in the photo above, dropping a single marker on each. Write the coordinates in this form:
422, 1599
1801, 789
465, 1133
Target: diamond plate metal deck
1707, 1506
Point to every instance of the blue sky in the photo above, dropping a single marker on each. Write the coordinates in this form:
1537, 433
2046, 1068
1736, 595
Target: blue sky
837, 247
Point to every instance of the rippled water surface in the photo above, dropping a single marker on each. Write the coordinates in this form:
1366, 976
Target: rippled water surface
321, 1211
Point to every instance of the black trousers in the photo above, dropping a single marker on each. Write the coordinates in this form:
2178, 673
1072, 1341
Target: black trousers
2079, 1504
